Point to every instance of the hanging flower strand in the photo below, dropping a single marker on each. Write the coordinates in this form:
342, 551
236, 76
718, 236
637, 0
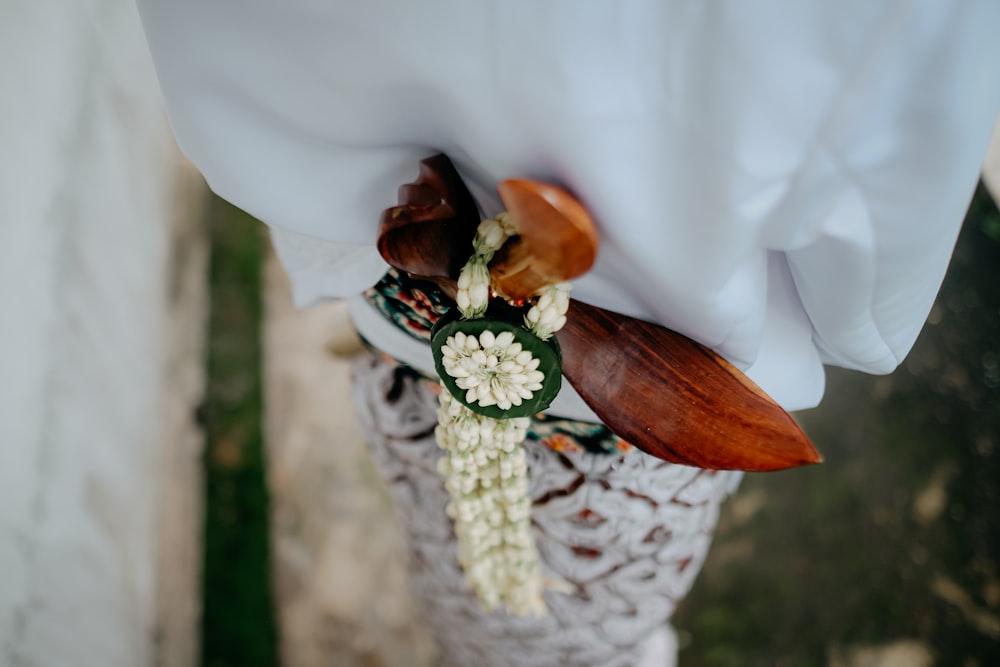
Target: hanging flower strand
548, 314
474, 281
486, 476
495, 373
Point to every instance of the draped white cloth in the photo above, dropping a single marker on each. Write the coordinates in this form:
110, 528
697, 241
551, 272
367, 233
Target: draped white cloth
781, 181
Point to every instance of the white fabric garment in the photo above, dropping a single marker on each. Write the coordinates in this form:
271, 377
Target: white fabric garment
781, 181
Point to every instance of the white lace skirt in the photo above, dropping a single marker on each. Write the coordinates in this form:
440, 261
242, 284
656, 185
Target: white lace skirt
624, 534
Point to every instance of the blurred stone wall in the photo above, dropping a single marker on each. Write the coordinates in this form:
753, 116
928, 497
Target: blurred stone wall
101, 301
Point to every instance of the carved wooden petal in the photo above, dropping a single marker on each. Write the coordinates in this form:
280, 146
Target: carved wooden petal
430, 232
557, 240
674, 398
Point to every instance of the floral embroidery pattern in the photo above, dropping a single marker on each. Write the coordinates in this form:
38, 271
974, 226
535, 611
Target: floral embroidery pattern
570, 435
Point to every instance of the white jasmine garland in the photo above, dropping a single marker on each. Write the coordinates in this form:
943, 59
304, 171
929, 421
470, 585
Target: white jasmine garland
487, 477
485, 467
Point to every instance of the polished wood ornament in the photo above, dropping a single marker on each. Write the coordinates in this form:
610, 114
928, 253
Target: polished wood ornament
556, 241
662, 392
674, 398
429, 233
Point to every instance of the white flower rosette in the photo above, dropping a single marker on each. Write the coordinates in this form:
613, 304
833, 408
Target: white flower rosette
493, 365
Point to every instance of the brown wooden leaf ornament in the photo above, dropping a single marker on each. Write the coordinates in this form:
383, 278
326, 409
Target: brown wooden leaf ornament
556, 240
429, 233
662, 392
674, 398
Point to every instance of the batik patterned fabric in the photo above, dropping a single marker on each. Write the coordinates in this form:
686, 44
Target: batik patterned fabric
415, 306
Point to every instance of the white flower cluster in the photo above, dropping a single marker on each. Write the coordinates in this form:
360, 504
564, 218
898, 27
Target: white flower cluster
473, 289
492, 369
485, 469
548, 314
474, 281
486, 476
492, 233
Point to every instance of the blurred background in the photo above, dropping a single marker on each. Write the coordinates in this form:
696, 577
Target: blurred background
182, 482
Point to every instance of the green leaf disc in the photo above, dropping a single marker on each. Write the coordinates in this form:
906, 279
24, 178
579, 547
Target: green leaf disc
547, 352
